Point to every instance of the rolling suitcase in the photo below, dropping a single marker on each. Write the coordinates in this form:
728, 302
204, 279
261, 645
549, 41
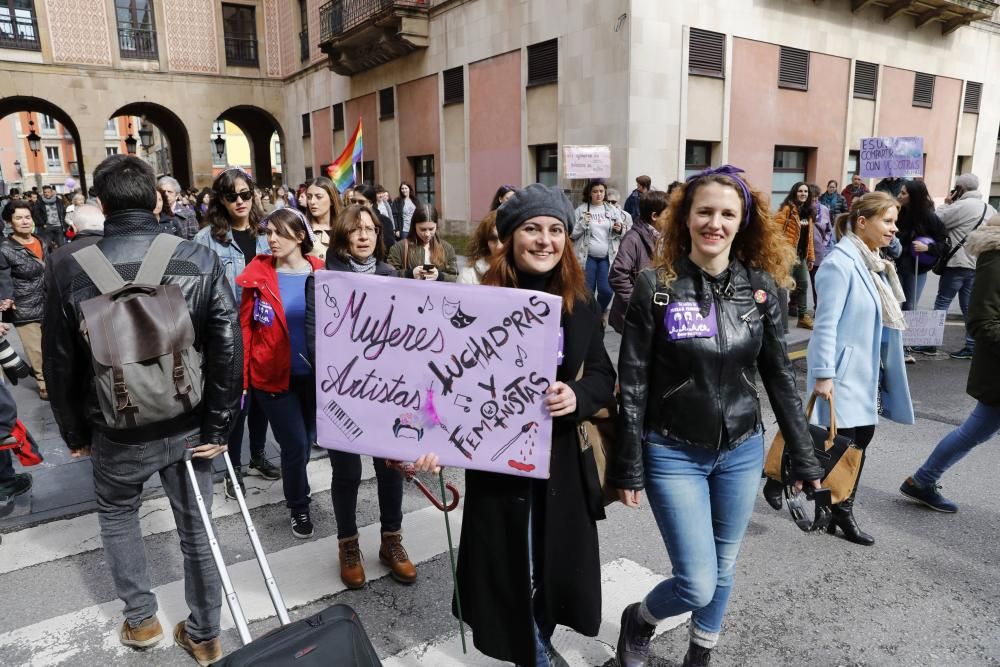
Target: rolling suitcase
334, 637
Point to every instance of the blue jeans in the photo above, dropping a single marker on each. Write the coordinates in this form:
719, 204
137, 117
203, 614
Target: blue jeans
957, 281
597, 279
702, 500
913, 287
980, 426
292, 414
120, 470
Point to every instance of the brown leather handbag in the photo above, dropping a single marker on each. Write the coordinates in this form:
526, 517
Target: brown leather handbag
598, 439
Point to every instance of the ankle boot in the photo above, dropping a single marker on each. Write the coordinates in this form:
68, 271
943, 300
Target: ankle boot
352, 572
773, 493
843, 517
697, 656
634, 638
394, 556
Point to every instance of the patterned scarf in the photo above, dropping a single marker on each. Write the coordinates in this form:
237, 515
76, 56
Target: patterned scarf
889, 290
368, 266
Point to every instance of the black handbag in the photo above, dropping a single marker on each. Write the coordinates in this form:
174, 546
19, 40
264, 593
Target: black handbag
947, 250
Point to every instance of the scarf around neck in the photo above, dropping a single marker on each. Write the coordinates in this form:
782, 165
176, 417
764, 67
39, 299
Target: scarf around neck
367, 266
889, 290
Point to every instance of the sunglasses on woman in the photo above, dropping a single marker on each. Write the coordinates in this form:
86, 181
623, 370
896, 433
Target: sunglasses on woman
231, 197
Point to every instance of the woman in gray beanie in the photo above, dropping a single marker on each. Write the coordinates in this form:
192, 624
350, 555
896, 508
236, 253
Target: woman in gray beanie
519, 534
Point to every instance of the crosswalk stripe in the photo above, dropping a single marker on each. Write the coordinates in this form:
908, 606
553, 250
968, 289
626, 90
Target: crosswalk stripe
59, 539
622, 583
305, 574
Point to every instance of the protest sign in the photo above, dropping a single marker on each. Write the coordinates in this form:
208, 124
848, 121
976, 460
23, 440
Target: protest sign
587, 161
924, 327
405, 368
899, 157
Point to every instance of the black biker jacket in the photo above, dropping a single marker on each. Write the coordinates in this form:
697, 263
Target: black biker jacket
67, 359
701, 391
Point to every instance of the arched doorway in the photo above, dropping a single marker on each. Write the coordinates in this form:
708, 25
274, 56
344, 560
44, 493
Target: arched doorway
170, 151
59, 160
260, 127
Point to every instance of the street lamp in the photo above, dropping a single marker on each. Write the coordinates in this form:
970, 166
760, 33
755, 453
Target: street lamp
130, 141
34, 141
146, 136
220, 145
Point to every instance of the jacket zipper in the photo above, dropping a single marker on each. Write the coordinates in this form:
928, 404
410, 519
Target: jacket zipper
747, 316
673, 390
750, 384
278, 300
721, 326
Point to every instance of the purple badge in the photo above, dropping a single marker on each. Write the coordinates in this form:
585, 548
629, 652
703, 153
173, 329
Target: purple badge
683, 320
263, 312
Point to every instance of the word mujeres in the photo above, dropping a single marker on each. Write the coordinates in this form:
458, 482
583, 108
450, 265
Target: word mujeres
379, 333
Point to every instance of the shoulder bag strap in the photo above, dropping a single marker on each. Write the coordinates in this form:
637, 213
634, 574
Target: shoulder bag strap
99, 269
958, 246
154, 264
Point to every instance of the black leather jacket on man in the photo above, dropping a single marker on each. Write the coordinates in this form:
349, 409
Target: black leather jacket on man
67, 359
701, 391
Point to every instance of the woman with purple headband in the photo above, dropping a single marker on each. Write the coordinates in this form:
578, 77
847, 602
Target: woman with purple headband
701, 323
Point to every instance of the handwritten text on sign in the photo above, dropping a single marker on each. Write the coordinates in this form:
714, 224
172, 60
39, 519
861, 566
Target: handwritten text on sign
587, 161
901, 157
407, 367
924, 327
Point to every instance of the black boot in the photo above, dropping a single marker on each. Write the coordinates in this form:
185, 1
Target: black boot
633, 642
843, 517
697, 656
773, 493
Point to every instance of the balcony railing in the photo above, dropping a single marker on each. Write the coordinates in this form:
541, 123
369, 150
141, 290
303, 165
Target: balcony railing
304, 45
137, 43
19, 32
241, 51
339, 16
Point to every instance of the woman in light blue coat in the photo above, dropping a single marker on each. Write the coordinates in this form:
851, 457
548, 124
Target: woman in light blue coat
856, 352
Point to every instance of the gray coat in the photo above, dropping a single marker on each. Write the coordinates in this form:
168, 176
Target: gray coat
959, 219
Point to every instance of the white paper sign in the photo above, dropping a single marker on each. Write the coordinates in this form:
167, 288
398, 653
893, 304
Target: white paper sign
924, 327
587, 162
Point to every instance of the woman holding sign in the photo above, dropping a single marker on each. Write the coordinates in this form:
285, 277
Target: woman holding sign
701, 323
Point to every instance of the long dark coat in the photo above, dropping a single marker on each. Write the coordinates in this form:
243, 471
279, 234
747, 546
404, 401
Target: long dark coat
493, 558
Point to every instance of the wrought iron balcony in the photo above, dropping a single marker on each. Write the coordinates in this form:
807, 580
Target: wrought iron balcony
137, 43
358, 35
241, 51
19, 32
950, 14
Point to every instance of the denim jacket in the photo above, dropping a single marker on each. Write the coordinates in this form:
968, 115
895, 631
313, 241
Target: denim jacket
230, 254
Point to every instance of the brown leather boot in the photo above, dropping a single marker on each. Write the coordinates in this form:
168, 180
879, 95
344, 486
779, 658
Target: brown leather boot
352, 572
205, 652
393, 556
146, 634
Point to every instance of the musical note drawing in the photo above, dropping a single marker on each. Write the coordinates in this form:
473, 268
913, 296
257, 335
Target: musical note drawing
521, 356
331, 301
464, 399
427, 306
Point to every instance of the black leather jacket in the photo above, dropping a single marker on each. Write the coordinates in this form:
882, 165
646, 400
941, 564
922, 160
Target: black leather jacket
701, 391
26, 273
67, 359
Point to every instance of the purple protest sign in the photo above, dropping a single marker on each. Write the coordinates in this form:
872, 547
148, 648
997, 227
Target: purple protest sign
901, 157
408, 367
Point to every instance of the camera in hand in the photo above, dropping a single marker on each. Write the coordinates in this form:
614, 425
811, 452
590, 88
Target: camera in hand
14, 367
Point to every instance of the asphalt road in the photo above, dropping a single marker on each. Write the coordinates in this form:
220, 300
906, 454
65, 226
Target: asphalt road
925, 594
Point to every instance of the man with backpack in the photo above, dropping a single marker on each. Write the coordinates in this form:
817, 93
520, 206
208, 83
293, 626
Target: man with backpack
144, 349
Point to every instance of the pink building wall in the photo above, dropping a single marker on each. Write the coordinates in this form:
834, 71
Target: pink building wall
322, 138
8, 151
936, 125
765, 116
363, 107
494, 110
419, 130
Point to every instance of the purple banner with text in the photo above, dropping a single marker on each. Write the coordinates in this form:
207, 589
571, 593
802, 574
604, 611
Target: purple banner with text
900, 157
408, 367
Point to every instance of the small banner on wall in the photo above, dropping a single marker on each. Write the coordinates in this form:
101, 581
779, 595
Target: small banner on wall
404, 369
898, 157
586, 162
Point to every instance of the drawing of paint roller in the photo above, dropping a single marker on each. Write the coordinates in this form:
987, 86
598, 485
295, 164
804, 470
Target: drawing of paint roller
524, 429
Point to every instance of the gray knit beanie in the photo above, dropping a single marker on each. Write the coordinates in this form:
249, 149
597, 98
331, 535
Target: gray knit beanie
531, 202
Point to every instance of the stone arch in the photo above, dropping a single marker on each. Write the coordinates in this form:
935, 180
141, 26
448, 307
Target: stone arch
17, 103
258, 126
172, 127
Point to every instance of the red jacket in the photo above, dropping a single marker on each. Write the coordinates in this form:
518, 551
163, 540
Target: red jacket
267, 351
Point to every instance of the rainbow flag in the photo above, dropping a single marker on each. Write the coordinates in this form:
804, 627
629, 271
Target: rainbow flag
341, 172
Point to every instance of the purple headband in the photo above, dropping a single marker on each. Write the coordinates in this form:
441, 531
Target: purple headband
305, 223
733, 173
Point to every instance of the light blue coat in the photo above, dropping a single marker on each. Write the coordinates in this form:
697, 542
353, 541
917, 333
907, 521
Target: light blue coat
849, 340
231, 256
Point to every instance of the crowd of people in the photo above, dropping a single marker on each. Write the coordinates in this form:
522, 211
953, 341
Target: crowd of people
690, 435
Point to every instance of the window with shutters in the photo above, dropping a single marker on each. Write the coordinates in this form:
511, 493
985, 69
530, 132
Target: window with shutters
338, 117
306, 126
973, 92
454, 86
923, 90
543, 62
386, 103
707, 53
793, 68
865, 80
